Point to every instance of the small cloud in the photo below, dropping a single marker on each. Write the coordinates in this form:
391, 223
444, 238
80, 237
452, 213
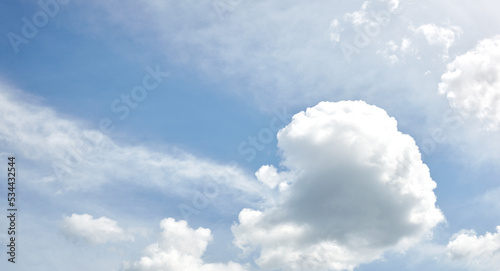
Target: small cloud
395, 52
440, 36
478, 252
393, 5
335, 31
95, 231
179, 248
358, 17
270, 176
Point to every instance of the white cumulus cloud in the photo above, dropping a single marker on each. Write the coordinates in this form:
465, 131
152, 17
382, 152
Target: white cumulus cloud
179, 248
269, 175
94, 231
357, 188
472, 83
477, 252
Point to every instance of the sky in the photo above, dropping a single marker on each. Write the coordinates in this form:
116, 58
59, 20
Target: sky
256, 135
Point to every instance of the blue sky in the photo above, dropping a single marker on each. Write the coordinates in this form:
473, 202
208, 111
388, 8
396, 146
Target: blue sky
282, 135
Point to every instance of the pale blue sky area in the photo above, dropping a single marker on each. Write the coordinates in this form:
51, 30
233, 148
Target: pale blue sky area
187, 145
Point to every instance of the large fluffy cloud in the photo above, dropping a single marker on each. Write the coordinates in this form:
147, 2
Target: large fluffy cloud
95, 231
472, 83
179, 248
477, 252
355, 187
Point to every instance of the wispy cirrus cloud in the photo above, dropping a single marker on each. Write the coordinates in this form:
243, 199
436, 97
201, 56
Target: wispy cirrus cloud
71, 155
